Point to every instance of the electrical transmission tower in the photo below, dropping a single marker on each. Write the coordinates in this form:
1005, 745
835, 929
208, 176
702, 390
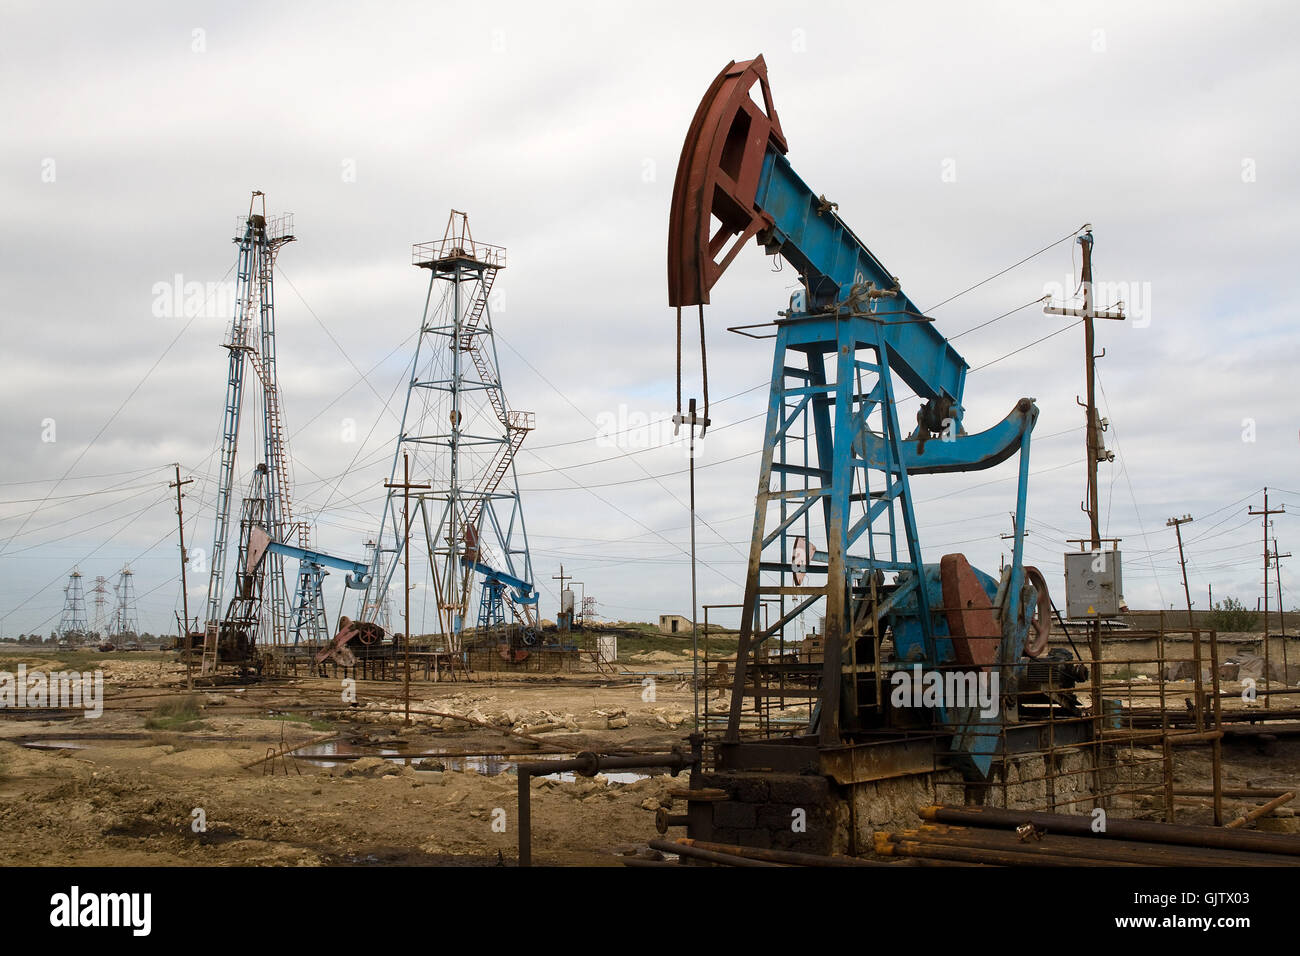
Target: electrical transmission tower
126, 621
99, 623
72, 625
251, 342
459, 430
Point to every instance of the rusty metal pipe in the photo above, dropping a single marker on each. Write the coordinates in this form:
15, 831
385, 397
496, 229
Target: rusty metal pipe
587, 764
1055, 844
1233, 793
1262, 811
665, 820
792, 857
1145, 830
972, 854
642, 861
708, 856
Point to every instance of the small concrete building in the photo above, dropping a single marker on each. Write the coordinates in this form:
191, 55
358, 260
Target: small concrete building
674, 624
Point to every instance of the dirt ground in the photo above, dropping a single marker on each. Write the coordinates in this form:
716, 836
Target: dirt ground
142, 785
129, 788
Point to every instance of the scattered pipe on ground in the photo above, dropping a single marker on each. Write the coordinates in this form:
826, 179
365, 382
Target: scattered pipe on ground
589, 764
1238, 793
1265, 810
708, 856
791, 857
324, 738
1145, 830
885, 846
1083, 848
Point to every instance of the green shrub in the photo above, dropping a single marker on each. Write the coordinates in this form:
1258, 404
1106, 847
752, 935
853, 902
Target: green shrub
174, 713
1231, 615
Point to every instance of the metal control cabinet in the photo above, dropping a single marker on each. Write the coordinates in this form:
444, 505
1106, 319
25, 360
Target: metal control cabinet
1093, 584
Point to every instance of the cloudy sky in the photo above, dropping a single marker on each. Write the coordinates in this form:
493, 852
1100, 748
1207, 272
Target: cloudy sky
956, 138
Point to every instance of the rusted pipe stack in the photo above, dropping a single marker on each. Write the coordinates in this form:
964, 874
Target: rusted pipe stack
724, 854
1027, 838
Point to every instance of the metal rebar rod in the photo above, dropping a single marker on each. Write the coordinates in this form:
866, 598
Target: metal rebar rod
324, 738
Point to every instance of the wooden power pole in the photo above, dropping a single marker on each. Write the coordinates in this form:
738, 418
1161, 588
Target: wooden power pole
406, 487
1176, 524
1096, 449
1265, 513
185, 600
1281, 612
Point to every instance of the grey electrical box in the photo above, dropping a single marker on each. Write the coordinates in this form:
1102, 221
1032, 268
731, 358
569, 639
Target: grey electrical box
1094, 584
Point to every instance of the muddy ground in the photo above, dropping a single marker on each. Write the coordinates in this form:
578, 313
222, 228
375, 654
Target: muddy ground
154, 783
129, 787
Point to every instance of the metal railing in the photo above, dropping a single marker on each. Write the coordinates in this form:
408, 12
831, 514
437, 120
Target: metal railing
458, 247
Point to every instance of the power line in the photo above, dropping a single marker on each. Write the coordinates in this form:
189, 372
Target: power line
111, 418
575, 407
1028, 346
1007, 269
1019, 308
111, 474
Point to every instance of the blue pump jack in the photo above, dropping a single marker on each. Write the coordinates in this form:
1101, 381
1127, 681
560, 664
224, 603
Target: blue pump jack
835, 529
312, 570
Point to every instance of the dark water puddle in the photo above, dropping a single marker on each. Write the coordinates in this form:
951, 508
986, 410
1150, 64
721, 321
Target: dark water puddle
333, 753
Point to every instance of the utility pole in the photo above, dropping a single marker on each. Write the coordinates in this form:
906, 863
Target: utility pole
185, 600
561, 577
1176, 524
1096, 450
1281, 611
1011, 536
1265, 513
563, 624
1277, 577
406, 487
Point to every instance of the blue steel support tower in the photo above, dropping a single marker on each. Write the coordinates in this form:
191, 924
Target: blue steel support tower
460, 433
251, 342
307, 621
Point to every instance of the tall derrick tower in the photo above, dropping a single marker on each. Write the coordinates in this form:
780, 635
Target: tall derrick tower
251, 342
462, 437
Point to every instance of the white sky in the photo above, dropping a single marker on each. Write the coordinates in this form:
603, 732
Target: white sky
132, 137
